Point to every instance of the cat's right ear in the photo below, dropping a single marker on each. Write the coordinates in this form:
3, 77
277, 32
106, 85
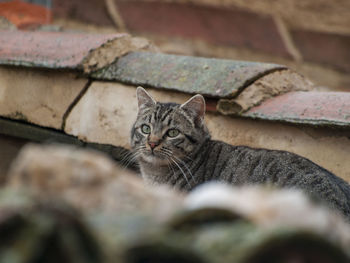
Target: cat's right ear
195, 106
145, 100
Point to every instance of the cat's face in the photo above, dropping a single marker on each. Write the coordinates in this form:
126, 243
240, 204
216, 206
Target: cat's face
165, 133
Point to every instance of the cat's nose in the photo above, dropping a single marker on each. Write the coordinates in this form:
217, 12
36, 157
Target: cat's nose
153, 144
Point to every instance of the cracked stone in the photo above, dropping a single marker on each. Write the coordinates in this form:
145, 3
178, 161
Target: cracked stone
39, 97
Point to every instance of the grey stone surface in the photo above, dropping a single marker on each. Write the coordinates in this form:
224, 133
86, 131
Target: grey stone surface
212, 77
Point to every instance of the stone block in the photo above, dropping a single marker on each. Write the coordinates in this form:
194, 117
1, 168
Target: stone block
321, 47
39, 97
107, 111
104, 114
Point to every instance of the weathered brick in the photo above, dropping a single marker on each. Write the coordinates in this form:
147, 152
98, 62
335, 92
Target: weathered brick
91, 11
216, 25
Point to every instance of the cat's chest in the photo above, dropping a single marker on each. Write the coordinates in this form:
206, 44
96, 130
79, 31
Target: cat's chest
154, 174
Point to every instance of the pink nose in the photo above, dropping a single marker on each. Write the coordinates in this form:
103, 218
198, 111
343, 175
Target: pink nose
153, 144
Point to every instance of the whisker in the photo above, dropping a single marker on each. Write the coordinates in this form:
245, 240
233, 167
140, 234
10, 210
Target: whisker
169, 152
126, 155
188, 169
131, 160
171, 167
131, 156
181, 171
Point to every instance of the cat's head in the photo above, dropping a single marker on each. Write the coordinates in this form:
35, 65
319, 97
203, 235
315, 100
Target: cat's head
168, 130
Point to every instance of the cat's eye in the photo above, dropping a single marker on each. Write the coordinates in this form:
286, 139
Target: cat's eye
173, 133
146, 129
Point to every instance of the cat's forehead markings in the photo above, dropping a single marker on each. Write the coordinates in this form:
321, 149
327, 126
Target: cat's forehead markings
167, 116
157, 111
143, 116
162, 111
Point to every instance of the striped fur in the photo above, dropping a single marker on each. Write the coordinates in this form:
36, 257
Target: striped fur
192, 158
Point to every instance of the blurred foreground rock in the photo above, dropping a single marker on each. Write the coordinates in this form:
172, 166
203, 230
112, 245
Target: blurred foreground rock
42, 230
63, 204
271, 208
89, 180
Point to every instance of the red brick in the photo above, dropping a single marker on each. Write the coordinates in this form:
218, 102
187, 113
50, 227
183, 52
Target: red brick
25, 15
322, 47
90, 11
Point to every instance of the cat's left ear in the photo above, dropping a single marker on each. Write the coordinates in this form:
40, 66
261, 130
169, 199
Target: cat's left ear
145, 100
195, 106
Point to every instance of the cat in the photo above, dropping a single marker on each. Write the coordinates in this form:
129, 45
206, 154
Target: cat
173, 146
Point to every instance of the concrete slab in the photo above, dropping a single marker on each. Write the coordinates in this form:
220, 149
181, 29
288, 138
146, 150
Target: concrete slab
37, 97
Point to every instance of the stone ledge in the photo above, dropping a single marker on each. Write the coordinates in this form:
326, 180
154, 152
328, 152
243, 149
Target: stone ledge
217, 78
245, 83
57, 50
313, 108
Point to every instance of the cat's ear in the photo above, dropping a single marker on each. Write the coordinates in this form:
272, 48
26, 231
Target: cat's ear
145, 100
195, 106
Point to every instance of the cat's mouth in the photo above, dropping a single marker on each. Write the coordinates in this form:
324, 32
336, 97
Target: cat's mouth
154, 157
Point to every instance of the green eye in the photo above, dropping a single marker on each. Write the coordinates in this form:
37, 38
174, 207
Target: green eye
173, 133
146, 129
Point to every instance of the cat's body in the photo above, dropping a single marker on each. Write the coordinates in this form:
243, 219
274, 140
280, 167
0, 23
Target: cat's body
173, 147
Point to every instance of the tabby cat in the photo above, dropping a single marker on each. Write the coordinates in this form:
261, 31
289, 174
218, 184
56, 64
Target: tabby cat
173, 146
